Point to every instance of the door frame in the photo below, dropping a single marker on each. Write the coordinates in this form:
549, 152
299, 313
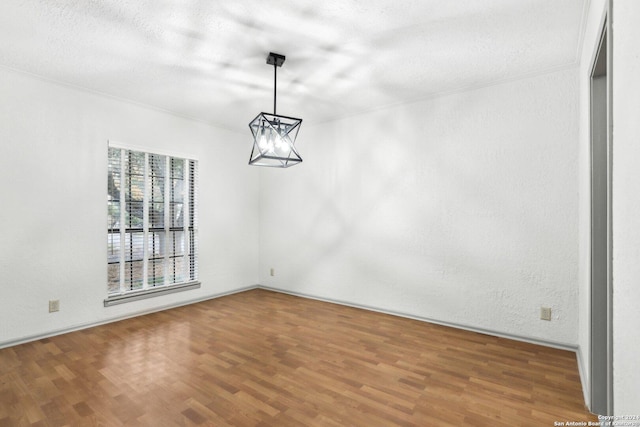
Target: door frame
601, 307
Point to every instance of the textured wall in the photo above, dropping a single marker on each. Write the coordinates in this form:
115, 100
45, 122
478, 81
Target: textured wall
461, 209
625, 206
53, 158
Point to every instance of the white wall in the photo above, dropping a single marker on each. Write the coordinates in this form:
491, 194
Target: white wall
462, 209
626, 206
591, 39
53, 156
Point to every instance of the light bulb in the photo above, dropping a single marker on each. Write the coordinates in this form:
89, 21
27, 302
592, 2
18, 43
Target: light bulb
265, 142
281, 145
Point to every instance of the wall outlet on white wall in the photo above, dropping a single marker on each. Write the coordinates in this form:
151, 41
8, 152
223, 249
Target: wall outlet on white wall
272, 272
54, 305
545, 313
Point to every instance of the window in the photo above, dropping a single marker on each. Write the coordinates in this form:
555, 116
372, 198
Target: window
152, 224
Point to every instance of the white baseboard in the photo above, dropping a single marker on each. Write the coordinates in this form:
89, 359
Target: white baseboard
79, 327
537, 341
561, 346
584, 378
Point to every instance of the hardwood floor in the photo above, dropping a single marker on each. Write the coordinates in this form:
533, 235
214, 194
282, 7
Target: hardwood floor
260, 358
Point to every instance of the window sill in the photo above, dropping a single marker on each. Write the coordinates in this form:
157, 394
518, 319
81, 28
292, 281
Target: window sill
149, 293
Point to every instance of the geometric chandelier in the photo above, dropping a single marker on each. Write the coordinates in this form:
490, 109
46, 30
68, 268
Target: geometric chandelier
274, 135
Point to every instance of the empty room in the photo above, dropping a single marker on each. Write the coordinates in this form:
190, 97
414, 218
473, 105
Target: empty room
338, 213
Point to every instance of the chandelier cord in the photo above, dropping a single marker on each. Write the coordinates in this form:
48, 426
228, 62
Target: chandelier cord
275, 86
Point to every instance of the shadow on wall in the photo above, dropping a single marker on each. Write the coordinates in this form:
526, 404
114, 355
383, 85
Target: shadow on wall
423, 204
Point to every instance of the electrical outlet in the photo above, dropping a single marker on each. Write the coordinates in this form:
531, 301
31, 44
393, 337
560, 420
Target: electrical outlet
272, 272
54, 305
545, 313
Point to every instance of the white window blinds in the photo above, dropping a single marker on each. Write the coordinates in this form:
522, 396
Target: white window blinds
152, 221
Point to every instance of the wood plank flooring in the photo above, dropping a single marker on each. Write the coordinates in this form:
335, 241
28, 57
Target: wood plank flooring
261, 358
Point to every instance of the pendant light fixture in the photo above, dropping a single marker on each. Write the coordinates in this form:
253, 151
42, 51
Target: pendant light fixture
274, 135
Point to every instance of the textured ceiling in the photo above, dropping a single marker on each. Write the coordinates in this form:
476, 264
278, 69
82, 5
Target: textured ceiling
205, 59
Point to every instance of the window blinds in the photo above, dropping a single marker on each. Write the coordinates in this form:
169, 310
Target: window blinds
152, 221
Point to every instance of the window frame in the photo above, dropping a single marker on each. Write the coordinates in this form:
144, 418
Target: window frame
189, 226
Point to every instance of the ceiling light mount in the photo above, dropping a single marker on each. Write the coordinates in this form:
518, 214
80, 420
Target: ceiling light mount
274, 135
275, 59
